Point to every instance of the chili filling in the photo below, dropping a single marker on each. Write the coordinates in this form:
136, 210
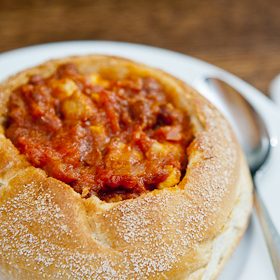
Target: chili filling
112, 138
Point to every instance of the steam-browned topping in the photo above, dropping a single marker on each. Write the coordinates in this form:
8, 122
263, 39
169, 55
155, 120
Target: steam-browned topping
112, 138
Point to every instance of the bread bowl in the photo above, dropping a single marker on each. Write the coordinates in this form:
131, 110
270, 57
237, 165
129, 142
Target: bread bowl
58, 226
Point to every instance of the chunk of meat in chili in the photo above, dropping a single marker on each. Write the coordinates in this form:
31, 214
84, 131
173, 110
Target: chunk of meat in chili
112, 138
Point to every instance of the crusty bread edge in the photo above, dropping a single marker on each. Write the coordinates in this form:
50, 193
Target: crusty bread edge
224, 243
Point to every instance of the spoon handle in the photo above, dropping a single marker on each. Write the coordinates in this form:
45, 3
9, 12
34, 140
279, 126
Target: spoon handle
270, 232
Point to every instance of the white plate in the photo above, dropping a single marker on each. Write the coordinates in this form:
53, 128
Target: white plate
251, 260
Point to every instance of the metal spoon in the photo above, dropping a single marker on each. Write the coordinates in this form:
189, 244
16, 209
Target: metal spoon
274, 89
255, 141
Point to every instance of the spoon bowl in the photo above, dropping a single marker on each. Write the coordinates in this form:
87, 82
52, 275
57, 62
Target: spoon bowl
247, 124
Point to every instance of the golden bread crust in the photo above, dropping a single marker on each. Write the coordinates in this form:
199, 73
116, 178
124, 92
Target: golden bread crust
48, 231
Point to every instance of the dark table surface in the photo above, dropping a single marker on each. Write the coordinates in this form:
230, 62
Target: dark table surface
241, 36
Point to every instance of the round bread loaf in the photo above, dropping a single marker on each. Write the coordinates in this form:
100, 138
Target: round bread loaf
187, 230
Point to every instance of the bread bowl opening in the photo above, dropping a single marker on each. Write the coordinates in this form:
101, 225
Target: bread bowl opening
113, 138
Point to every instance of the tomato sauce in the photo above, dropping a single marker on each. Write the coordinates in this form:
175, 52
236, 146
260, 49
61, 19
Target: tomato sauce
115, 139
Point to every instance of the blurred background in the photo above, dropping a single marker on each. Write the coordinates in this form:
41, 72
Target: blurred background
241, 36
